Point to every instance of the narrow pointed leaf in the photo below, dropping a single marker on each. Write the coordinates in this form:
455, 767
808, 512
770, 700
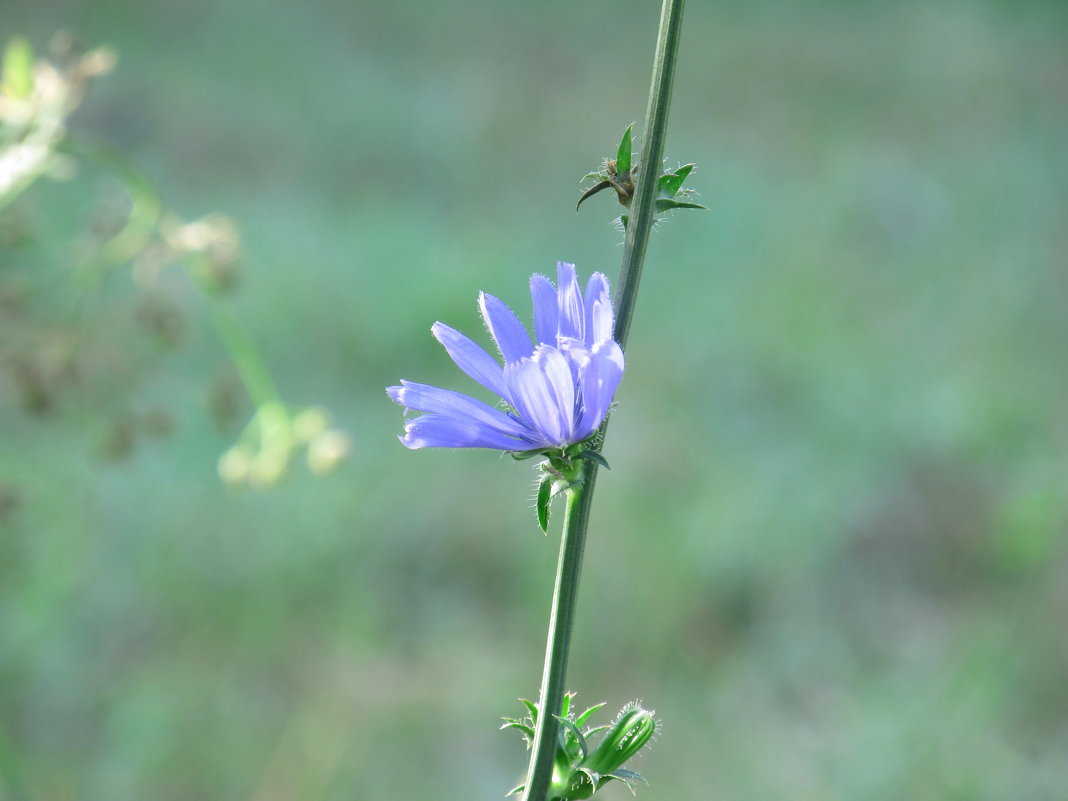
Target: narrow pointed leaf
532, 709
581, 719
624, 152
521, 456
584, 749
593, 190
665, 204
594, 456
545, 490
627, 775
672, 182
684, 171
526, 730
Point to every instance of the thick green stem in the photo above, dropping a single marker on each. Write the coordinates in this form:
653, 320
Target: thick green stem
561, 620
576, 519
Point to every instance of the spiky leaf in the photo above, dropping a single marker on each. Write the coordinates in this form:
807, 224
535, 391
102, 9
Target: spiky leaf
577, 736
594, 456
581, 719
525, 730
593, 190
565, 704
672, 182
532, 709
665, 204
521, 456
628, 777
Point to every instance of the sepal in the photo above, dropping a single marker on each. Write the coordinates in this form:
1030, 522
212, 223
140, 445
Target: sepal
563, 469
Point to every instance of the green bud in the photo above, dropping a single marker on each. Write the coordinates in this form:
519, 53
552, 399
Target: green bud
578, 772
631, 731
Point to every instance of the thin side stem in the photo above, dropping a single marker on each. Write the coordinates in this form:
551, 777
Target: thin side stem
243, 351
642, 208
558, 645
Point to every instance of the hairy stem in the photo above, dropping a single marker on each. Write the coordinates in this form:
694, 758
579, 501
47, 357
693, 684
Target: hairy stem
576, 519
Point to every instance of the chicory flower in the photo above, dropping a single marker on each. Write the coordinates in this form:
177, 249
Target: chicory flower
557, 389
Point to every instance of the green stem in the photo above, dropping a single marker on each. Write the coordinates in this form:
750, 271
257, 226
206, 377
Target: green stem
641, 211
577, 515
557, 647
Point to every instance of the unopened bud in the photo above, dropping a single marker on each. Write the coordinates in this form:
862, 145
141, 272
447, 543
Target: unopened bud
623, 740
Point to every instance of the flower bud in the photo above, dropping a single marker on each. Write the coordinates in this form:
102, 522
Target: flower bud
623, 740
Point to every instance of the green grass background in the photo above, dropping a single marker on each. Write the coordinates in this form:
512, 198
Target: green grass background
831, 551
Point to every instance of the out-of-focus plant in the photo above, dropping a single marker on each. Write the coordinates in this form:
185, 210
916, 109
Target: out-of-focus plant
46, 353
36, 97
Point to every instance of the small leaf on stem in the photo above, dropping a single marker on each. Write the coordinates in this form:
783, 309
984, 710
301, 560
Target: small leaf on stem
672, 182
545, 493
623, 154
665, 204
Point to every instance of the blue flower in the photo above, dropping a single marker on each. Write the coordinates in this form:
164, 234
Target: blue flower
557, 389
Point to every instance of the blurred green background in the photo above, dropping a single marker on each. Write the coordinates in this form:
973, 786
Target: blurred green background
831, 551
